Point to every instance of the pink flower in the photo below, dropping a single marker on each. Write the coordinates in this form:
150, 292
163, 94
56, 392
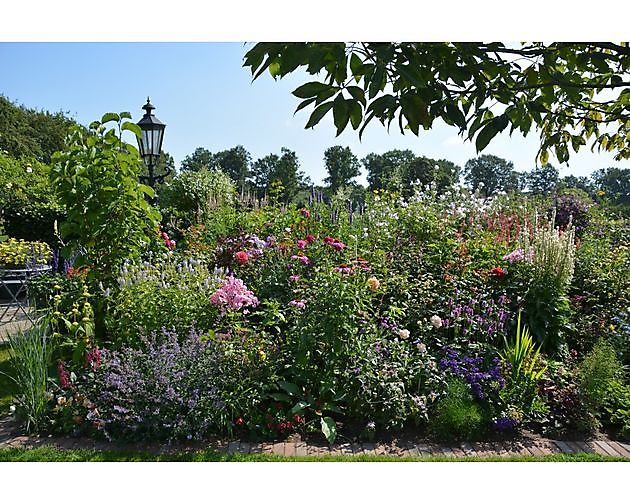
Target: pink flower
298, 303
241, 257
64, 376
302, 258
329, 240
164, 236
233, 295
310, 238
294, 278
338, 245
343, 268
301, 244
305, 213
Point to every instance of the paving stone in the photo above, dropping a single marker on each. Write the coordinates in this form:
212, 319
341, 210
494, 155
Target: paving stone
233, 447
596, 448
300, 449
345, 448
278, 449
564, 447
624, 451
255, 448
244, 448
289, 449
446, 451
577, 447
607, 448
356, 449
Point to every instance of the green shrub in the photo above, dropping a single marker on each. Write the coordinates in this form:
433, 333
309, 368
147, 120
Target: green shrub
456, 416
595, 373
616, 407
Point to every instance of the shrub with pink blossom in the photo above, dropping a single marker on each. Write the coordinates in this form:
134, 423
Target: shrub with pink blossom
233, 295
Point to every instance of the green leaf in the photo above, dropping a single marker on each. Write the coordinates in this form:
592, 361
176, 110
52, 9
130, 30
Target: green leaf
134, 128
110, 116
357, 93
355, 65
305, 103
278, 396
311, 89
125, 115
318, 114
329, 429
290, 388
356, 114
491, 129
299, 406
341, 114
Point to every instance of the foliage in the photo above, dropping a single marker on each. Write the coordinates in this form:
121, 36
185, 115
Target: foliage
108, 215
166, 293
22, 254
543, 180
172, 389
552, 87
342, 166
28, 201
29, 133
457, 416
595, 373
193, 195
614, 183
573, 207
616, 407
491, 174
30, 352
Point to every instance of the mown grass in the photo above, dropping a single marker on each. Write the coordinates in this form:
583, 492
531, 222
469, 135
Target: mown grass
50, 454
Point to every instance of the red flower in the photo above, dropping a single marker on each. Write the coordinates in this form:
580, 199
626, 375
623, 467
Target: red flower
329, 240
305, 213
310, 238
64, 376
239, 421
241, 257
498, 272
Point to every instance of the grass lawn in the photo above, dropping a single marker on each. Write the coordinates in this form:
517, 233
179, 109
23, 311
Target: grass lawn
49, 454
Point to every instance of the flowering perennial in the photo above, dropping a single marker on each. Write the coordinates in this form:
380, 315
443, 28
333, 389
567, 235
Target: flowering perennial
233, 295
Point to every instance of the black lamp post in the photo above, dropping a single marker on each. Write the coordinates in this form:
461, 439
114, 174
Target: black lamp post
150, 145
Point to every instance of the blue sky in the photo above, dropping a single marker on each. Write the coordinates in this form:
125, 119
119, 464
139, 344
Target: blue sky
207, 99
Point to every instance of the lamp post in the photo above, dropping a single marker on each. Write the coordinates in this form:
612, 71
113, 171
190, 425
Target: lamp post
150, 145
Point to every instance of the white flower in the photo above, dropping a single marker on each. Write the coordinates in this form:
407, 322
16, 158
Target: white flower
436, 321
287, 229
29, 169
422, 348
403, 333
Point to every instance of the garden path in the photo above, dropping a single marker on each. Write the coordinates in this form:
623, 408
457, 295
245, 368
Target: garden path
13, 320
10, 437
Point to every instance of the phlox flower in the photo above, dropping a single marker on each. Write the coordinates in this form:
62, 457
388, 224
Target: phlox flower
233, 295
298, 303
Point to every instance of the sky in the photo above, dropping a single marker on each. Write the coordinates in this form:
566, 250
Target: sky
207, 99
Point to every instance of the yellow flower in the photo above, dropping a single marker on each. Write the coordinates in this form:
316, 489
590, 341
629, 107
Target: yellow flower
263, 355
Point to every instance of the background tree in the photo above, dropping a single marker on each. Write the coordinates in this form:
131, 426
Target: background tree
554, 87
383, 169
543, 180
260, 174
29, 133
573, 182
235, 163
490, 174
198, 160
615, 183
342, 166
442, 173
279, 175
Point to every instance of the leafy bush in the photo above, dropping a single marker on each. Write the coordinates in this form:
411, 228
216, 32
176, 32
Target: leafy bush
616, 407
595, 373
170, 293
457, 415
28, 201
108, 215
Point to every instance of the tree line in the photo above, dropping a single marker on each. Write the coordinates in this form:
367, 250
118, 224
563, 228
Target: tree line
398, 170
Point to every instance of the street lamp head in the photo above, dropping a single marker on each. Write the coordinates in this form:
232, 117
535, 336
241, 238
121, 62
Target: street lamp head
150, 143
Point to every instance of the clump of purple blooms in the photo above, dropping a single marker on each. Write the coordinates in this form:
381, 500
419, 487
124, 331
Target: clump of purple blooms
504, 424
519, 255
571, 208
478, 319
165, 390
482, 378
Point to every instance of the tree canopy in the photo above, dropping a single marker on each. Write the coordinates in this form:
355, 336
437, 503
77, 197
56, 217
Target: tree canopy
571, 93
342, 166
490, 174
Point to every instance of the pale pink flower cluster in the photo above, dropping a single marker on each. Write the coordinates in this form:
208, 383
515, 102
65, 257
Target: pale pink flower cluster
233, 295
518, 255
